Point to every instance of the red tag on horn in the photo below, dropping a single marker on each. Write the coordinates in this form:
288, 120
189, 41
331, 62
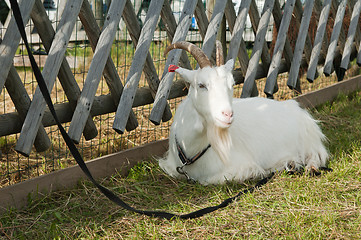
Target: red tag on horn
172, 68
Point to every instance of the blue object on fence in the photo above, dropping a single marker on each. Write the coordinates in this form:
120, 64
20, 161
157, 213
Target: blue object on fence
194, 23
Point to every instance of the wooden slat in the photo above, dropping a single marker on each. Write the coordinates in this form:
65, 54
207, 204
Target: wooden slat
110, 73
171, 27
308, 44
300, 45
201, 17
50, 71
350, 37
125, 103
357, 39
237, 34
249, 82
288, 51
231, 17
96, 68
279, 46
65, 75
212, 30
11, 40
22, 101
317, 44
173, 57
328, 67
255, 19
149, 70
358, 61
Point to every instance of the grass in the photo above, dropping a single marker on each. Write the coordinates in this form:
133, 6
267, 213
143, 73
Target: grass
288, 207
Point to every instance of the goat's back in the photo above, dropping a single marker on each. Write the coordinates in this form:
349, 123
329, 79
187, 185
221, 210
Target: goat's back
276, 133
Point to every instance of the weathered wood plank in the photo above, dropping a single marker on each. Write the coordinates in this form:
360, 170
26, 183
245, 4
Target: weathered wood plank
255, 19
171, 27
50, 71
22, 101
213, 27
357, 38
161, 97
249, 82
288, 51
300, 45
317, 44
231, 20
279, 46
237, 34
308, 44
265, 55
11, 40
110, 73
350, 38
149, 70
65, 75
201, 17
127, 98
328, 67
358, 61
96, 68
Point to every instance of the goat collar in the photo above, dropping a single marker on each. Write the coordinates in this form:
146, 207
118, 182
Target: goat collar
184, 159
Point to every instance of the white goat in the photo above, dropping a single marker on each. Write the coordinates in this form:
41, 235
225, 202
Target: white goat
236, 139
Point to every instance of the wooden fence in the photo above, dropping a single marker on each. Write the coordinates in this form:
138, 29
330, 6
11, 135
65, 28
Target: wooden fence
31, 116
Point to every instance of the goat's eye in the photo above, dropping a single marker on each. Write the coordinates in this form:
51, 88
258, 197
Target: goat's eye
201, 85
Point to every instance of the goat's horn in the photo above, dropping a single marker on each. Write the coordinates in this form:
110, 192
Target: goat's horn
196, 52
219, 54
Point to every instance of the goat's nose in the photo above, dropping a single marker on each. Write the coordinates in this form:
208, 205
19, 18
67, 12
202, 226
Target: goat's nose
228, 113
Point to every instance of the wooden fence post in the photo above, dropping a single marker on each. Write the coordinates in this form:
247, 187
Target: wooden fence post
278, 50
350, 37
149, 70
249, 84
96, 68
300, 45
236, 46
125, 103
65, 75
11, 40
110, 73
328, 67
50, 71
317, 44
237, 28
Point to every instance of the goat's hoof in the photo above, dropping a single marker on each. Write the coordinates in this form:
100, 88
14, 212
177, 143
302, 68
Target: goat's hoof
292, 170
314, 172
326, 169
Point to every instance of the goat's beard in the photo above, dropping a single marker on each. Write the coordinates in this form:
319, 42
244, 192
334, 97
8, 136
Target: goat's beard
220, 140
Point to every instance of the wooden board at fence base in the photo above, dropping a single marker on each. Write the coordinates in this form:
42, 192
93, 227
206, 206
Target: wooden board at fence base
16, 196
328, 94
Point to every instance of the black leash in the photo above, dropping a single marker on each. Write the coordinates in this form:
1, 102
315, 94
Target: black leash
74, 151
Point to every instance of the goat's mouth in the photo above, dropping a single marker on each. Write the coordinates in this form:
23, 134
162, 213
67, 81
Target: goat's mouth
224, 123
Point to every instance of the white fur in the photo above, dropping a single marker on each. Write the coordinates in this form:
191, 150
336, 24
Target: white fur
264, 135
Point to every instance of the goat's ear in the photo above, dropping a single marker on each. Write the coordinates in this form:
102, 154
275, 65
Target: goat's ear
229, 65
186, 74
